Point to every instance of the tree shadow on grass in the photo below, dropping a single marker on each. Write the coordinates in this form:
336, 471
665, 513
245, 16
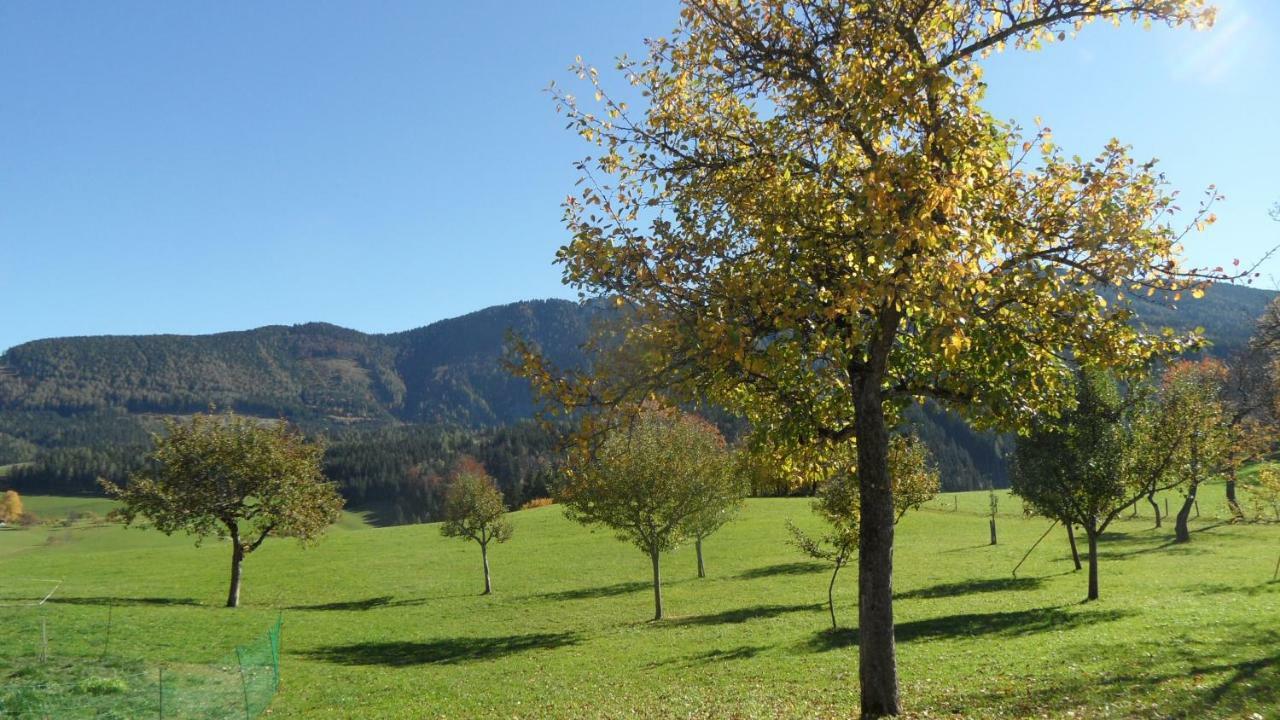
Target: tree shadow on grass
1263, 588
1112, 539
366, 604
1007, 624
123, 601
743, 652
968, 587
833, 639
444, 651
1221, 689
598, 592
741, 615
966, 548
794, 568
373, 603
1253, 679
1170, 548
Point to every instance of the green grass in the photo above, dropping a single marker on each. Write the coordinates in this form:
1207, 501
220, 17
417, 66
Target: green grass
388, 623
54, 507
50, 508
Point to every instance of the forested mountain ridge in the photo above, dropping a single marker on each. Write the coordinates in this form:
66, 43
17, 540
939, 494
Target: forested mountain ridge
397, 408
447, 371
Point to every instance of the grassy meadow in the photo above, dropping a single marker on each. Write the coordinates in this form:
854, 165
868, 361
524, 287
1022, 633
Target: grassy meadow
388, 622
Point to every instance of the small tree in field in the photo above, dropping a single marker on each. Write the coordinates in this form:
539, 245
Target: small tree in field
1191, 392
1249, 402
915, 482
1264, 493
652, 482
474, 510
837, 504
1071, 470
232, 477
912, 475
725, 493
1265, 496
11, 507
1086, 466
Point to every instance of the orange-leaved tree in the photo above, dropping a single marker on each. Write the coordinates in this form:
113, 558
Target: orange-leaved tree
474, 510
11, 507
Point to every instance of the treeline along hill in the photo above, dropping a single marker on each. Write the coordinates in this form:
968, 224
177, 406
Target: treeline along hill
396, 409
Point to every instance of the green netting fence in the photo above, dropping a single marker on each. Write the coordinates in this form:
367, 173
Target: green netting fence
63, 666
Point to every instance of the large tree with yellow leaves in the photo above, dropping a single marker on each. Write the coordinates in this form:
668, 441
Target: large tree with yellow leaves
814, 222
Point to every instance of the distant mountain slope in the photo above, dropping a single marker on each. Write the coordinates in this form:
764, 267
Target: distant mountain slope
313, 368
92, 399
452, 369
1228, 314
447, 371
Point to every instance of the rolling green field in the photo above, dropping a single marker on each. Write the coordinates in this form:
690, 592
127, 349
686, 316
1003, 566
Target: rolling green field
388, 623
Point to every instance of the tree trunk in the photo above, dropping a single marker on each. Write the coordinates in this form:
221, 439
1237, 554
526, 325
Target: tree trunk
1075, 554
657, 586
993, 531
1232, 503
702, 569
484, 555
877, 655
1151, 498
237, 559
1181, 533
1093, 562
831, 595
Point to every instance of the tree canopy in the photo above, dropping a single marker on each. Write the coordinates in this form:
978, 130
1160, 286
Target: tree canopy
1113, 448
233, 477
474, 510
1192, 392
654, 481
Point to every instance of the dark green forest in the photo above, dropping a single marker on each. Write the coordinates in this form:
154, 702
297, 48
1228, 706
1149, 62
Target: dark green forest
396, 410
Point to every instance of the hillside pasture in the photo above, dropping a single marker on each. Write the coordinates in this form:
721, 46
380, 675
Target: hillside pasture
389, 623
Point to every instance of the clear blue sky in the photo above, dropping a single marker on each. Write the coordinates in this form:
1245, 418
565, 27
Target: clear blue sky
197, 167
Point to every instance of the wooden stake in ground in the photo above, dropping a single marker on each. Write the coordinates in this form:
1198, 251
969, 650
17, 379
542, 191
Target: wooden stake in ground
995, 503
1075, 553
1033, 547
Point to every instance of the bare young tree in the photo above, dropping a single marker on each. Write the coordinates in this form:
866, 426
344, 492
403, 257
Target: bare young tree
915, 482
727, 491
